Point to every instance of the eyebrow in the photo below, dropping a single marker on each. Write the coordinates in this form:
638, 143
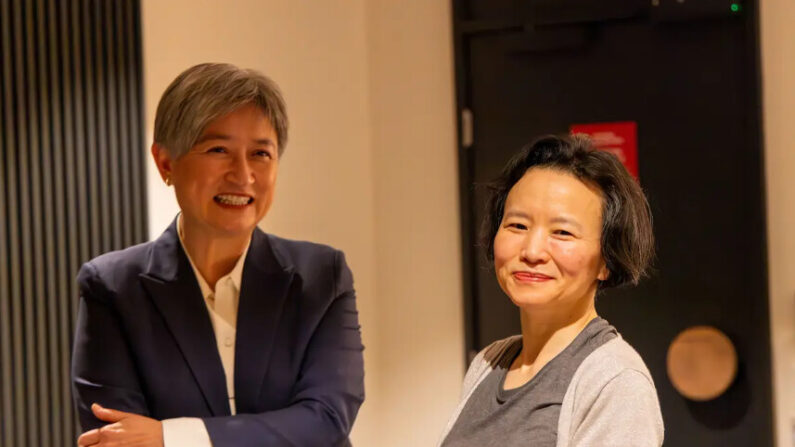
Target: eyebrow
514, 213
220, 136
559, 219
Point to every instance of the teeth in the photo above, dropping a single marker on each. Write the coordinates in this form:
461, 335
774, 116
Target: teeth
228, 199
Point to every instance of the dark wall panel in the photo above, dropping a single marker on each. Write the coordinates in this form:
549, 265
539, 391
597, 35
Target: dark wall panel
687, 74
72, 186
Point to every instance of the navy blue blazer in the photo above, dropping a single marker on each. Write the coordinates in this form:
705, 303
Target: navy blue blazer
144, 343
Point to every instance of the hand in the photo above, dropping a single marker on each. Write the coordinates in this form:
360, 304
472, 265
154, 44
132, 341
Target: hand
127, 429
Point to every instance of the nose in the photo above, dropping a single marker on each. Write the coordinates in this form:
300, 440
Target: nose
535, 250
240, 172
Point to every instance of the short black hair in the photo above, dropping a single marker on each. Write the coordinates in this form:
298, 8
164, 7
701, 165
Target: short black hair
627, 241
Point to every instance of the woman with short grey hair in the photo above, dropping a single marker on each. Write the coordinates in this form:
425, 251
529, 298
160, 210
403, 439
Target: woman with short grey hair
217, 333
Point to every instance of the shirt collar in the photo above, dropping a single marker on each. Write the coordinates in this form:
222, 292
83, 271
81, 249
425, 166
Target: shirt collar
236, 274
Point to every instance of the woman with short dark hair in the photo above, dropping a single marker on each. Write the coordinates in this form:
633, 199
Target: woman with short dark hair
563, 222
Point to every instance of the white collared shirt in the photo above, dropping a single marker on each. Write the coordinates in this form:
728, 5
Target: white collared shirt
222, 304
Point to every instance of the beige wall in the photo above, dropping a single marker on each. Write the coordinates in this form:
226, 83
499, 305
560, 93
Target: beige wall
370, 169
778, 77
416, 214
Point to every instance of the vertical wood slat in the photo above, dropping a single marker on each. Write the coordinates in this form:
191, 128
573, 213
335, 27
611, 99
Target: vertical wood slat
112, 132
134, 52
91, 171
70, 177
7, 426
20, 337
100, 122
31, 235
59, 266
76, 232
124, 130
42, 209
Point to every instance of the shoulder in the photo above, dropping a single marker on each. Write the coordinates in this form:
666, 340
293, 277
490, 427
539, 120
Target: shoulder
613, 374
486, 360
115, 267
611, 360
495, 352
317, 265
298, 252
480, 367
611, 384
130, 257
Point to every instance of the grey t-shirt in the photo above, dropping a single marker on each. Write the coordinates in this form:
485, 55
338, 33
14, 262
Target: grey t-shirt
527, 415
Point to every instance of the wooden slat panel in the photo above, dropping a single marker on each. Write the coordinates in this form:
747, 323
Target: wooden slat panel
23, 345
70, 173
76, 230
7, 141
56, 240
42, 210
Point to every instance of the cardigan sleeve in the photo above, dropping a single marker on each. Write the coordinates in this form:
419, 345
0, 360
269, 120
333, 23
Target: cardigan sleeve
624, 413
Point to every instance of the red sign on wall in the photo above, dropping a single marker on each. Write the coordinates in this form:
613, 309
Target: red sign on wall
620, 138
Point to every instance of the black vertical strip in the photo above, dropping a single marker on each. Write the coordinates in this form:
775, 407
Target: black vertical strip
112, 112
11, 203
41, 186
82, 101
6, 260
4, 338
103, 169
136, 119
77, 228
125, 148
34, 276
6, 230
26, 126
18, 390
45, 311
91, 170
56, 228
130, 67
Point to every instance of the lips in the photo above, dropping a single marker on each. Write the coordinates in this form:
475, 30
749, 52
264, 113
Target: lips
531, 277
233, 199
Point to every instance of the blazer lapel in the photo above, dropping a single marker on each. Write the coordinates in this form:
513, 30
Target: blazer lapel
172, 285
263, 292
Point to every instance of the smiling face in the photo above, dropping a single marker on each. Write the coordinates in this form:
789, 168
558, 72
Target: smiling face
547, 251
225, 183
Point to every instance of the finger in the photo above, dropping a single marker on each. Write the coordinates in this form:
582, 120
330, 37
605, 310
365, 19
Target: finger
107, 414
88, 438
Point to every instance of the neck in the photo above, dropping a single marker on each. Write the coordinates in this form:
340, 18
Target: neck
213, 255
545, 333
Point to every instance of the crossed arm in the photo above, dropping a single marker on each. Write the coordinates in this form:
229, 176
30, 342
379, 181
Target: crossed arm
326, 395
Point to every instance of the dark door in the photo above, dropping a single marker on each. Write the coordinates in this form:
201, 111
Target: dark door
687, 74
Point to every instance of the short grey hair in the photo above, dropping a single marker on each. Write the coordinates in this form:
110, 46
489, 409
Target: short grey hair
205, 92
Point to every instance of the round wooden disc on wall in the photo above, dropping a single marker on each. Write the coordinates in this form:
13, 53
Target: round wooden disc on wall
702, 363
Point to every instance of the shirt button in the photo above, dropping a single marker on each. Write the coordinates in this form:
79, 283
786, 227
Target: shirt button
228, 341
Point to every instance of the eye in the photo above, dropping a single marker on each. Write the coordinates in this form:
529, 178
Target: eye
217, 150
563, 233
516, 226
262, 153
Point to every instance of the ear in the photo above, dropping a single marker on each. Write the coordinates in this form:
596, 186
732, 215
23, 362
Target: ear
604, 273
162, 161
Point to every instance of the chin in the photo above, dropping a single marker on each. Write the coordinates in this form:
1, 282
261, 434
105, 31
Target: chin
532, 298
532, 302
234, 228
